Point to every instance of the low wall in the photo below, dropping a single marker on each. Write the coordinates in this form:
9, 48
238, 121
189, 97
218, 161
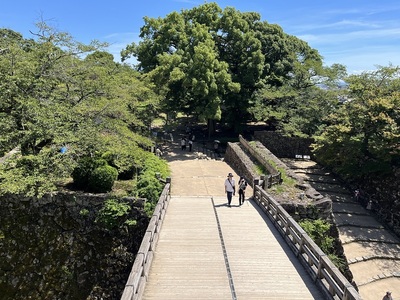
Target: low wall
313, 206
283, 146
240, 162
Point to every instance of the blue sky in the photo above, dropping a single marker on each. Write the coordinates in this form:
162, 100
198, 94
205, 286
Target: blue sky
359, 34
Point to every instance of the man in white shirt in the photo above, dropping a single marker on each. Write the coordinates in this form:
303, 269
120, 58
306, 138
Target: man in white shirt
230, 188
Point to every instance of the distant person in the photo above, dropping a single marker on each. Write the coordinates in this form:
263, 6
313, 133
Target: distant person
357, 194
230, 188
183, 144
190, 145
159, 152
242, 187
388, 296
216, 149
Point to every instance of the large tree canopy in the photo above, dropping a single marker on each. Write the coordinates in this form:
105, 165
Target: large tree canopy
57, 93
208, 62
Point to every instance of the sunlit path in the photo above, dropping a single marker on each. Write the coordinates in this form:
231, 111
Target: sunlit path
207, 250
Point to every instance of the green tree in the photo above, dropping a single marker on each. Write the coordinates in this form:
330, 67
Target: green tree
51, 98
299, 106
208, 61
364, 134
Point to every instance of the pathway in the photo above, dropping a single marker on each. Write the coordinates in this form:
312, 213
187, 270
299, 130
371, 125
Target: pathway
207, 250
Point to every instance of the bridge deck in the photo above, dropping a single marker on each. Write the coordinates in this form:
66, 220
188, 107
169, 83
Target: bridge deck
190, 261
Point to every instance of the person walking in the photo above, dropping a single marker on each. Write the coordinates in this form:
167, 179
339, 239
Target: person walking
242, 187
230, 188
190, 145
388, 296
183, 144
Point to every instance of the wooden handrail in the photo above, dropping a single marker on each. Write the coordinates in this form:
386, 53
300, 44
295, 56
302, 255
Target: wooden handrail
317, 263
137, 279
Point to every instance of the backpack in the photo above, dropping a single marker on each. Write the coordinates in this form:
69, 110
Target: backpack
243, 185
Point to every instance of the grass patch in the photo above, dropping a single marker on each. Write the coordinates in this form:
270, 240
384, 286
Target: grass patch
123, 188
260, 169
286, 179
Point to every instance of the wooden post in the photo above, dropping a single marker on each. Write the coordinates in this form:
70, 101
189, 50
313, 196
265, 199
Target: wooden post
256, 182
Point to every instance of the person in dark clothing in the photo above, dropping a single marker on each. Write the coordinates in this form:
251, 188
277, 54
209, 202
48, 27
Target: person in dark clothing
242, 187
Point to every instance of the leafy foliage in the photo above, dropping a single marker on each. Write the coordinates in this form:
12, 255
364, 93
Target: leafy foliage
208, 62
113, 213
83, 171
299, 108
148, 185
102, 179
56, 93
363, 135
318, 230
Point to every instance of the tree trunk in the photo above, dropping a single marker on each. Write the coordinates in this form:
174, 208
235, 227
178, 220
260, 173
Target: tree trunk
210, 127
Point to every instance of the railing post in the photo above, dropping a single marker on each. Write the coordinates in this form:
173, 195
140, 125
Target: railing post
256, 182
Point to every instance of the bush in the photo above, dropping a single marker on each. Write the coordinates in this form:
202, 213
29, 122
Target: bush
318, 230
102, 179
82, 173
113, 213
149, 187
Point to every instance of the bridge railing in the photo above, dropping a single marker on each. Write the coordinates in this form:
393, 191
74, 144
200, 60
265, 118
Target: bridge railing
137, 279
317, 263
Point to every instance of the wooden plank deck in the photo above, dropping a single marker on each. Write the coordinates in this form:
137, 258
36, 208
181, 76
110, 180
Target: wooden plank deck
207, 250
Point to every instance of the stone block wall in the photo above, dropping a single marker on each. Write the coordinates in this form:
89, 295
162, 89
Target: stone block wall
283, 146
384, 193
53, 247
240, 162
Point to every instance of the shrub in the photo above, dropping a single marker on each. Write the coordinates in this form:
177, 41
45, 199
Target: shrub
29, 163
149, 187
102, 179
113, 213
82, 172
318, 230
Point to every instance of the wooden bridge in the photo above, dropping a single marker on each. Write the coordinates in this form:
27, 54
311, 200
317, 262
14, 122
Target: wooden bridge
196, 247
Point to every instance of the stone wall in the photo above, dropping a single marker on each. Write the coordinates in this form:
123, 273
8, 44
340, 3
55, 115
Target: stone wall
53, 248
283, 146
240, 162
384, 194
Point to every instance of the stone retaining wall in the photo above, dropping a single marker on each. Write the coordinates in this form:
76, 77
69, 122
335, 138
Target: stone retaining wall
384, 194
283, 146
53, 248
